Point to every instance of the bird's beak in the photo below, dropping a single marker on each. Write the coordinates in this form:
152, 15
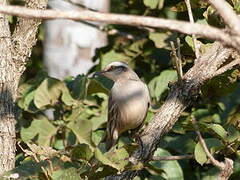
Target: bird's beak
98, 73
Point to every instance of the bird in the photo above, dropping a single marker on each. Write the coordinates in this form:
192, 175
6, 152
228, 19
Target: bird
128, 102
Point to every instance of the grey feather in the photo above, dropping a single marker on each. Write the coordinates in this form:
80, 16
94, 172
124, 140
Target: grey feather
128, 101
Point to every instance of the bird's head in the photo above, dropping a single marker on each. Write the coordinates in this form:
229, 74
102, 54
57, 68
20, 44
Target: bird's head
117, 70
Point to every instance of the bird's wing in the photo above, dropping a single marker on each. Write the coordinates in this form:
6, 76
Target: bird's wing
112, 124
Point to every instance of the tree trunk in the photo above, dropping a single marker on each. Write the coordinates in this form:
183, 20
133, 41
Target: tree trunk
14, 52
70, 45
8, 90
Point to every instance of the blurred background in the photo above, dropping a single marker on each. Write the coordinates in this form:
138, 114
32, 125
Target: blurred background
61, 106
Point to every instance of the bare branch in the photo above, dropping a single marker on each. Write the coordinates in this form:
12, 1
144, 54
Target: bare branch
228, 15
177, 59
204, 146
171, 158
227, 67
132, 20
226, 167
196, 47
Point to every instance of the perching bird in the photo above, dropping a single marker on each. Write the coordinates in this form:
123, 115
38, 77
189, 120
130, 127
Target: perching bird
128, 101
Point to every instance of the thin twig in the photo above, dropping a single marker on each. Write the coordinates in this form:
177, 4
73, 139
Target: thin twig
226, 167
34, 156
228, 15
171, 158
204, 146
177, 60
132, 20
227, 67
195, 45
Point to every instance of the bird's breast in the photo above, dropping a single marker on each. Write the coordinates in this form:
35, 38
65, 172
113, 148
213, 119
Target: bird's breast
132, 100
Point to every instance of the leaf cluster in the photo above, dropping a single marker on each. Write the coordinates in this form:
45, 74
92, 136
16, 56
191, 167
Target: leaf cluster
62, 124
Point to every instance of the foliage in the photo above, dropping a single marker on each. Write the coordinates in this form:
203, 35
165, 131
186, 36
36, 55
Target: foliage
62, 124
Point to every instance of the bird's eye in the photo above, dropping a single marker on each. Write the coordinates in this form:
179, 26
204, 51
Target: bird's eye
112, 68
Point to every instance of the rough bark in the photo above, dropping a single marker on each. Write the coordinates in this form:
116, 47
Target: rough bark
14, 51
7, 96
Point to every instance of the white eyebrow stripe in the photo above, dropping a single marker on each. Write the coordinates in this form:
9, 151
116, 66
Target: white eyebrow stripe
118, 63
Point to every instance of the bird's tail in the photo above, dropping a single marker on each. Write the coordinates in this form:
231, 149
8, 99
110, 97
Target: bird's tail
111, 139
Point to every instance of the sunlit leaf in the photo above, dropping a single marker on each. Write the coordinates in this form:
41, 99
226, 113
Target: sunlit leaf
160, 39
97, 136
119, 157
213, 144
82, 129
151, 3
67, 98
159, 84
219, 130
41, 127
112, 56
104, 160
48, 92
172, 169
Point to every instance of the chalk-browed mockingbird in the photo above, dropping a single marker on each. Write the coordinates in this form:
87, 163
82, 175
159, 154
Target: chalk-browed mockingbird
128, 101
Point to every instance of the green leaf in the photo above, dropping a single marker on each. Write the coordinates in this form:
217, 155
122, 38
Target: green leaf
112, 56
104, 159
48, 92
27, 170
153, 4
79, 87
82, 152
213, 145
82, 129
98, 121
119, 156
233, 134
28, 102
172, 168
99, 84
219, 130
181, 6
220, 86
160, 39
67, 98
159, 84
40, 126
97, 136
66, 174
189, 41
182, 143
237, 7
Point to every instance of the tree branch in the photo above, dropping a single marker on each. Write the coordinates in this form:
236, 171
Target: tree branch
180, 97
177, 59
171, 158
226, 168
227, 67
197, 53
131, 20
24, 35
204, 146
228, 15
